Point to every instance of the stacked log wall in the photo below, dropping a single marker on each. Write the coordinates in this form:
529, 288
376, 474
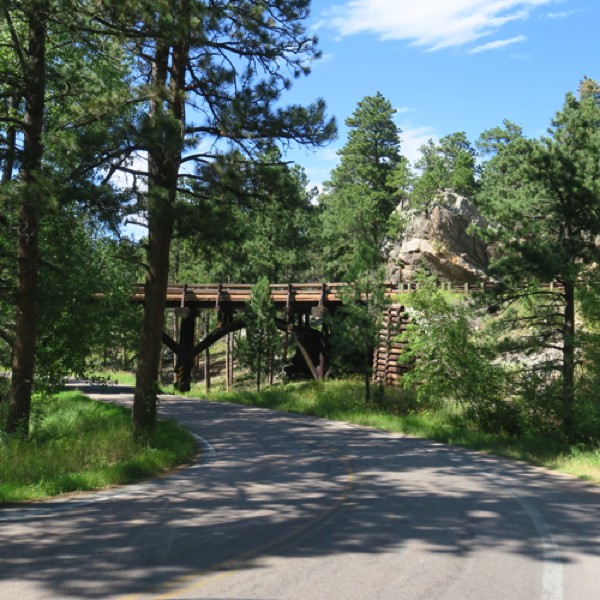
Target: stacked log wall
386, 369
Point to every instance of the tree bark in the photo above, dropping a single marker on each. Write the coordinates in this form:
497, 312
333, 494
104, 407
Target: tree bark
161, 196
155, 289
368, 376
23, 362
568, 353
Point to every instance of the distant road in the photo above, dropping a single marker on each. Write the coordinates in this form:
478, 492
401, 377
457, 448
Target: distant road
286, 507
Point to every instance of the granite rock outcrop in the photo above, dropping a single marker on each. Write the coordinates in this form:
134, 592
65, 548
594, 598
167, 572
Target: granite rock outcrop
437, 240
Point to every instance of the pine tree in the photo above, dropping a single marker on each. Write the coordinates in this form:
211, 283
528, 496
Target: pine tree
546, 194
449, 164
361, 195
229, 62
60, 82
261, 332
356, 325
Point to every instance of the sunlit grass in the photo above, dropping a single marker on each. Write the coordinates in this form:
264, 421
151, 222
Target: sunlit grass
77, 444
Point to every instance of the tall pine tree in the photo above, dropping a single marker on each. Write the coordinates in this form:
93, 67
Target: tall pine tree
212, 73
360, 196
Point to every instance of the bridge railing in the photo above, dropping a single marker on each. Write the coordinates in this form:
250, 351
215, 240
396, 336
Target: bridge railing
300, 291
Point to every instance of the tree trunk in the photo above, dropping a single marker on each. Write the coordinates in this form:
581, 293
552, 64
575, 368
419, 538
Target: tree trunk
162, 184
23, 362
367, 377
568, 354
155, 290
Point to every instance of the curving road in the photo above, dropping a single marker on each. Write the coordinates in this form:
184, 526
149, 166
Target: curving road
285, 507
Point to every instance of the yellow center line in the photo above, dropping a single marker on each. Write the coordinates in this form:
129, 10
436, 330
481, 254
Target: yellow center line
225, 565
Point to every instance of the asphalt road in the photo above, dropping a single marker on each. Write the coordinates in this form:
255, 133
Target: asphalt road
285, 507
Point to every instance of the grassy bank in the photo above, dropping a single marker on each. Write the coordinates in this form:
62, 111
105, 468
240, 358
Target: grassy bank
397, 411
77, 444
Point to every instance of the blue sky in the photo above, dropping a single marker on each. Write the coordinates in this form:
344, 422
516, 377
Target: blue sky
447, 65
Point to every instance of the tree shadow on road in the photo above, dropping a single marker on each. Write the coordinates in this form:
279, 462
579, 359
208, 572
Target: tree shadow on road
299, 489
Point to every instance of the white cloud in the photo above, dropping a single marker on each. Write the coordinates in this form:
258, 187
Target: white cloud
497, 44
327, 154
412, 138
402, 110
520, 56
431, 23
560, 15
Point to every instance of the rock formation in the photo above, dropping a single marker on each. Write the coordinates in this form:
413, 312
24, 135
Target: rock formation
437, 241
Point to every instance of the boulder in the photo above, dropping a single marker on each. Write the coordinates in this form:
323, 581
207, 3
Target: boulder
436, 240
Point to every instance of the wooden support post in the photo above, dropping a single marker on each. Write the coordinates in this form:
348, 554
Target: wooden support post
231, 359
307, 358
218, 306
207, 355
270, 368
466, 286
227, 364
284, 347
186, 343
175, 337
324, 336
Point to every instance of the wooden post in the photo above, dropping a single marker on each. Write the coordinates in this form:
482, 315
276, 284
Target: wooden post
284, 347
230, 341
186, 343
270, 368
227, 363
175, 337
324, 335
206, 355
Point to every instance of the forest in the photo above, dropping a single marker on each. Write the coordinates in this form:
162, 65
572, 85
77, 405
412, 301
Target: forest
170, 116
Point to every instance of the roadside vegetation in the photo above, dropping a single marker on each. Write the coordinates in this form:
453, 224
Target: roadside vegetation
77, 444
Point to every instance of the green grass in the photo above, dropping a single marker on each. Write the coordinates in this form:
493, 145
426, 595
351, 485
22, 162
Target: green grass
398, 411
77, 444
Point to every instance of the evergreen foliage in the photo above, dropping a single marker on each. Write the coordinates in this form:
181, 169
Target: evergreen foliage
355, 326
449, 164
229, 62
361, 195
546, 194
60, 89
264, 225
257, 350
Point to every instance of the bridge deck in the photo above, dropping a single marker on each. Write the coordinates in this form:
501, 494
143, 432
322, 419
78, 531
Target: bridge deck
230, 297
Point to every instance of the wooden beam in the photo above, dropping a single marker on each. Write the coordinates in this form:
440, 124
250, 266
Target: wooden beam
170, 343
306, 356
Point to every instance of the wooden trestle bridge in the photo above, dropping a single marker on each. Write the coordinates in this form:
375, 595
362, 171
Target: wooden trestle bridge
297, 303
